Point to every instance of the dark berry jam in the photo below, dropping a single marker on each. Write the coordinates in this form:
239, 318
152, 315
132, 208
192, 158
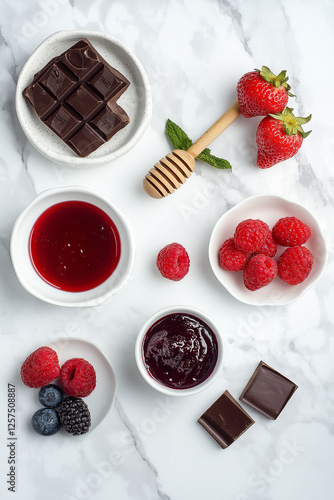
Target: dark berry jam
74, 246
180, 351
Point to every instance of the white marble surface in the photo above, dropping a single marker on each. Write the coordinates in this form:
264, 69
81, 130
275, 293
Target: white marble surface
150, 447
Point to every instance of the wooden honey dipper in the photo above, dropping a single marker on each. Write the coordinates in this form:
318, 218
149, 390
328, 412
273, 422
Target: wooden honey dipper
173, 170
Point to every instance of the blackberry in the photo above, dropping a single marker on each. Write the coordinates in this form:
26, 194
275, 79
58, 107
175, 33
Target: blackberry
74, 415
50, 396
46, 421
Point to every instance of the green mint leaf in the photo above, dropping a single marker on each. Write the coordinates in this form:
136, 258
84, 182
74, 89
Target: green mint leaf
178, 137
180, 140
216, 162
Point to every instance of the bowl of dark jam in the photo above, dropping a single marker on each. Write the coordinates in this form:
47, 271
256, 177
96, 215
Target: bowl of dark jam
179, 351
72, 247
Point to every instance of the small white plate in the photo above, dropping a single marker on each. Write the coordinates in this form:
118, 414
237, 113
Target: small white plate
268, 208
30, 279
101, 400
169, 391
136, 100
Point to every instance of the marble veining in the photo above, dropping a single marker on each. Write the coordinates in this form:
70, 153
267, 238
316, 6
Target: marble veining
150, 447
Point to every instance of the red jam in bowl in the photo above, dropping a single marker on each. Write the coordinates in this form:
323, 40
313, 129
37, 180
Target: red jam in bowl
74, 246
180, 351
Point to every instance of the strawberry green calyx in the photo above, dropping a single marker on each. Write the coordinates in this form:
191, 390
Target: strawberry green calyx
292, 124
276, 81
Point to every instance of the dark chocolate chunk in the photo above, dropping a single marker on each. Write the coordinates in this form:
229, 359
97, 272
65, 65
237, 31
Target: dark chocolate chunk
110, 120
268, 391
75, 95
225, 420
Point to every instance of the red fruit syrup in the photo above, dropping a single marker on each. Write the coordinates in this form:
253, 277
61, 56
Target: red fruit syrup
74, 246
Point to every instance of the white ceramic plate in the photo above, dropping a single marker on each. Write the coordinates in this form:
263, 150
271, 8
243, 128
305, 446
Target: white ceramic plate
101, 400
136, 100
268, 208
34, 284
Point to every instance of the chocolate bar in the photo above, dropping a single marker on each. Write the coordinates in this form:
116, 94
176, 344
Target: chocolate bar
75, 95
268, 391
225, 420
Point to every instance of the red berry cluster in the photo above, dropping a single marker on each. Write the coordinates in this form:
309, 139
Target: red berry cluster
253, 248
77, 375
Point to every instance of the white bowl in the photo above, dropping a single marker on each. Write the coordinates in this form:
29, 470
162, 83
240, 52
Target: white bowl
139, 355
268, 208
136, 100
102, 399
30, 279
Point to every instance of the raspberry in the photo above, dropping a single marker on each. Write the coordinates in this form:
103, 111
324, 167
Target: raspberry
78, 377
259, 272
269, 247
40, 368
290, 231
295, 264
173, 262
250, 235
230, 258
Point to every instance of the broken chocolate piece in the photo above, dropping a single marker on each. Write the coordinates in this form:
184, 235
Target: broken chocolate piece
268, 391
75, 95
225, 420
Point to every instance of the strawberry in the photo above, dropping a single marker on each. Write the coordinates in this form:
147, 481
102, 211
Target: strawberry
262, 92
279, 137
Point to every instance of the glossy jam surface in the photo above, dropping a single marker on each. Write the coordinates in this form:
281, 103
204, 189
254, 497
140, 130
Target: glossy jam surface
180, 351
74, 246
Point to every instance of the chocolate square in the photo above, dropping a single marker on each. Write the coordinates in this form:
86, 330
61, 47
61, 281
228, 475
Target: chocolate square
83, 101
225, 420
63, 122
108, 83
75, 96
268, 391
111, 119
81, 59
41, 100
86, 140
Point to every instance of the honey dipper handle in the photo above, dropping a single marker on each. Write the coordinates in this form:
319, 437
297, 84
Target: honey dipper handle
215, 130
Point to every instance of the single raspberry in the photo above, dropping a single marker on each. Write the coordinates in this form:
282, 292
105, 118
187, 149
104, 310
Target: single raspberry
290, 231
78, 377
40, 368
269, 247
259, 272
250, 235
295, 264
173, 262
230, 258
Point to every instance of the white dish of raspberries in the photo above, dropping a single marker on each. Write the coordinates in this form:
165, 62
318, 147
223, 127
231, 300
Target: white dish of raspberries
256, 269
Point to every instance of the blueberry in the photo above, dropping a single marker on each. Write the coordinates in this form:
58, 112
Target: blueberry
46, 421
50, 396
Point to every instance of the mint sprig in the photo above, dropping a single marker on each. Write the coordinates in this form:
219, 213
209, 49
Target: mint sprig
180, 140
